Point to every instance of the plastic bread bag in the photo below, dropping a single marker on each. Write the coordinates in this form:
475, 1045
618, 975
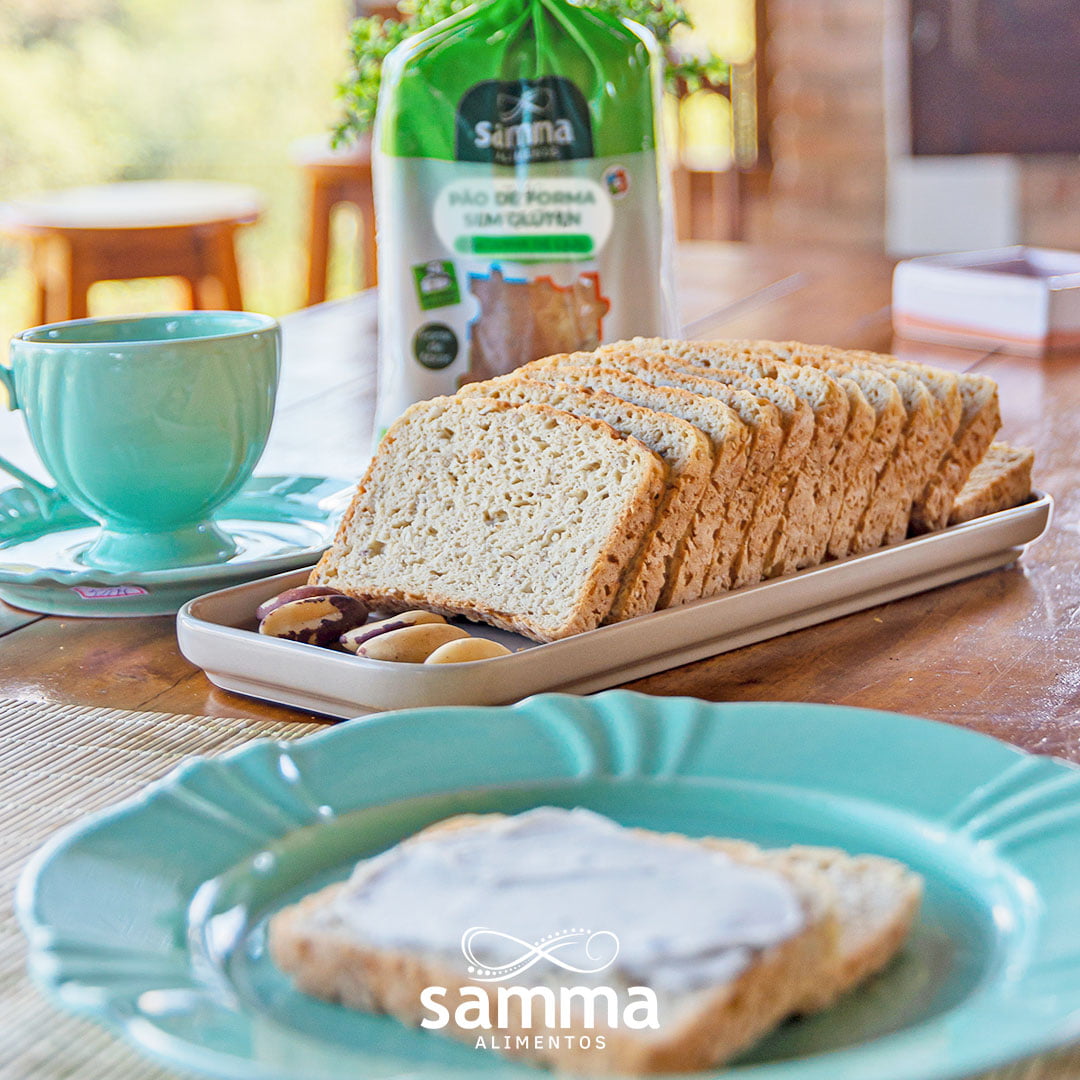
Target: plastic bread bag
520, 195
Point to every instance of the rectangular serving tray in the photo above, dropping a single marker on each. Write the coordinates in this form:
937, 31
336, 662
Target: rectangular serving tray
218, 631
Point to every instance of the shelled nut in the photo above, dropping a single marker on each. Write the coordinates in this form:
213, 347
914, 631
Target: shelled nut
411, 644
352, 640
299, 592
315, 620
464, 650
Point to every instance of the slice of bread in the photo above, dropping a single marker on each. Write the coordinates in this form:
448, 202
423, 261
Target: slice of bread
324, 946
875, 899
784, 497
979, 422
1000, 481
713, 538
785, 500
763, 422
830, 405
521, 516
845, 470
884, 398
683, 448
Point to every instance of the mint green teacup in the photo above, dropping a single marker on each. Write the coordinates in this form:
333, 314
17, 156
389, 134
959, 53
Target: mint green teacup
148, 424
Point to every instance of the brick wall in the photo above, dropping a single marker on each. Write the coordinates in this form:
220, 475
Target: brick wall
826, 122
826, 130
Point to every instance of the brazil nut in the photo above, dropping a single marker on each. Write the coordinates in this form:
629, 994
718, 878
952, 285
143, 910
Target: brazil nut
463, 650
315, 620
411, 644
353, 639
299, 592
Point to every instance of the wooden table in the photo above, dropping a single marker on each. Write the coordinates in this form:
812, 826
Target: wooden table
999, 653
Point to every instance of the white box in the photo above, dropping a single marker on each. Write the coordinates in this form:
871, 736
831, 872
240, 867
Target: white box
1019, 299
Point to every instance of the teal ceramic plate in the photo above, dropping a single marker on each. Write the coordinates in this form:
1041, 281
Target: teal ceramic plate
151, 917
279, 523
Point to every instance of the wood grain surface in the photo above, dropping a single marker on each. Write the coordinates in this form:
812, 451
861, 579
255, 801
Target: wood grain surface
999, 653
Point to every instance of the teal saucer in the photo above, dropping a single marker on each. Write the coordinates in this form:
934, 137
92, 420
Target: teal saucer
277, 522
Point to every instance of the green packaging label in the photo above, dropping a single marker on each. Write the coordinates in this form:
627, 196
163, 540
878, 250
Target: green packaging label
436, 284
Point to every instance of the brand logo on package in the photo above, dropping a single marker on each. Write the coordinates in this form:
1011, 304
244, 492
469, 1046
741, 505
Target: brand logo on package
548, 1011
527, 120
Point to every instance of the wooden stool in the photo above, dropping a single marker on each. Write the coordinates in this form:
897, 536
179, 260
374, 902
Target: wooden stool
155, 228
333, 177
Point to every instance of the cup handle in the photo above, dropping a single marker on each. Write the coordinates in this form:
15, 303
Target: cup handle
48, 500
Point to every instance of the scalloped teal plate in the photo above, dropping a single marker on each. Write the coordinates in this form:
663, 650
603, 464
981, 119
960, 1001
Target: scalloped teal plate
151, 917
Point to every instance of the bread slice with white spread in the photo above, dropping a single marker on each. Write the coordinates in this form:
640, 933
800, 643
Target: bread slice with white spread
685, 451
521, 516
716, 949
876, 902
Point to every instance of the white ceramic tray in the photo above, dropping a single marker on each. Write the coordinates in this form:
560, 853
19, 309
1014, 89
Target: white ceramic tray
218, 631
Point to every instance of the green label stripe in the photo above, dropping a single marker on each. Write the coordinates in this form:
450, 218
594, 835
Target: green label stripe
529, 244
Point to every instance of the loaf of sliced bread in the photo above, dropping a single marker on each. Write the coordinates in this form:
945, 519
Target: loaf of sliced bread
1000, 481
763, 421
683, 448
522, 516
324, 944
714, 537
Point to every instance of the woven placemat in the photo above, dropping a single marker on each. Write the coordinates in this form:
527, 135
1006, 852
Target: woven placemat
59, 762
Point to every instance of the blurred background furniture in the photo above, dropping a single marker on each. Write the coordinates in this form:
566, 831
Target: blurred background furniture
333, 177
718, 132
138, 229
